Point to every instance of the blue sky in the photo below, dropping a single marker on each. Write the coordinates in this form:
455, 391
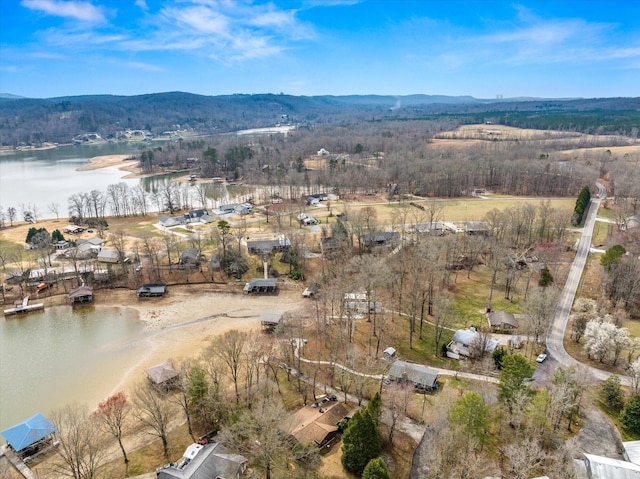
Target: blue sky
485, 48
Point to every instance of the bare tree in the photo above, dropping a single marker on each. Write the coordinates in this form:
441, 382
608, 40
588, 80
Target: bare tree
112, 414
81, 450
153, 412
230, 350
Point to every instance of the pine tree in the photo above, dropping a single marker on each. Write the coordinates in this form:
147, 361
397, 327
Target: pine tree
611, 392
515, 369
360, 443
545, 278
630, 415
375, 408
376, 469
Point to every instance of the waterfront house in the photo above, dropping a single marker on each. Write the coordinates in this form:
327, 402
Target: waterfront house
83, 294
163, 376
205, 461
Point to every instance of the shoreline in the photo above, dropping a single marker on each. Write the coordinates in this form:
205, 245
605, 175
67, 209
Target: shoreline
122, 162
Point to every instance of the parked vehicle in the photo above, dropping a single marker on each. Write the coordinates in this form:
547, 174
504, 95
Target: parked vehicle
541, 358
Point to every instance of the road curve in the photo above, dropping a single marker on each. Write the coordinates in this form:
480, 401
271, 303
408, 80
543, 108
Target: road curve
555, 337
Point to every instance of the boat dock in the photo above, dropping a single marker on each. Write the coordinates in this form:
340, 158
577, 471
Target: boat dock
22, 307
20, 466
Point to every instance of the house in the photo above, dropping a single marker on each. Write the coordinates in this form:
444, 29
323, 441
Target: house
96, 243
322, 152
317, 425
381, 238
389, 354
364, 307
465, 342
228, 209
307, 220
61, 245
169, 221
268, 245
73, 229
436, 228
475, 228
151, 290
422, 377
205, 461
502, 320
269, 320
80, 295
83, 251
195, 215
30, 436
261, 285
108, 256
163, 375
190, 256
600, 467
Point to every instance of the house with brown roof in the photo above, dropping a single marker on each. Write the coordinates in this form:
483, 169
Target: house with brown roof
163, 375
83, 294
317, 425
502, 320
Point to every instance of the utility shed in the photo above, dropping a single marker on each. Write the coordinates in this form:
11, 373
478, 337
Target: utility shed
600, 467
422, 377
29, 433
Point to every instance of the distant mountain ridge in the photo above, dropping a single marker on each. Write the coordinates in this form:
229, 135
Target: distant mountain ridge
32, 121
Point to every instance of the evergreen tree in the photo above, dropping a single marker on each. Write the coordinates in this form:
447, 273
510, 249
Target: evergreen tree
515, 369
375, 408
360, 443
471, 414
545, 278
611, 392
630, 415
612, 256
376, 469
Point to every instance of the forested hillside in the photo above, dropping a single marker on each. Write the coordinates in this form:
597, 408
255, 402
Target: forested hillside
33, 121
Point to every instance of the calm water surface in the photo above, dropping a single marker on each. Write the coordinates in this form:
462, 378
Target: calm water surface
64, 355
50, 176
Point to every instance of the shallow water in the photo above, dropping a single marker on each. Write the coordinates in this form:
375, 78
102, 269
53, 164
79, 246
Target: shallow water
64, 355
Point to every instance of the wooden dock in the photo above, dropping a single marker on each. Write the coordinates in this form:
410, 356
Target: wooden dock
24, 307
20, 466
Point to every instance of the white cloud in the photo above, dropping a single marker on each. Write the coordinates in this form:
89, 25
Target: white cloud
84, 11
142, 4
138, 66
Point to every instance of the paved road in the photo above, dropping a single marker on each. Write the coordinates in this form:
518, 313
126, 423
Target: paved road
556, 334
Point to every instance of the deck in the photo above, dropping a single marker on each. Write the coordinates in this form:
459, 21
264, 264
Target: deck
24, 307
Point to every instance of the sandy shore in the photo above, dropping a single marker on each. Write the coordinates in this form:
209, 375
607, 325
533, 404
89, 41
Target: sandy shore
182, 325
123, 162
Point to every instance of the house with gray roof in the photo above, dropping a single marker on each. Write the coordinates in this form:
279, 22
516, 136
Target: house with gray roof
108, 256
422, 377
380, 238
600, 467
465, 340
266, 246
502, 320
261, 285
205, 461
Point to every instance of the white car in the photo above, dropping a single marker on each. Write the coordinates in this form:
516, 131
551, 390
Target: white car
541, 358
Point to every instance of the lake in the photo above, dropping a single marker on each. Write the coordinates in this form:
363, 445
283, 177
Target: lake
43, 177
64, 355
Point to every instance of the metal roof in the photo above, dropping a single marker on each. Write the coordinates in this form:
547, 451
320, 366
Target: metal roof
270, 317
632, 451
416, 373
600, 467
28, 432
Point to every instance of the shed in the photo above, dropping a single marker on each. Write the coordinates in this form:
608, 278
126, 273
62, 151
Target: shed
270, 319
151, 290
205, 461
29, 433
600, 467
422, 377
83, 294
163, 375
502, 320
389, 354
